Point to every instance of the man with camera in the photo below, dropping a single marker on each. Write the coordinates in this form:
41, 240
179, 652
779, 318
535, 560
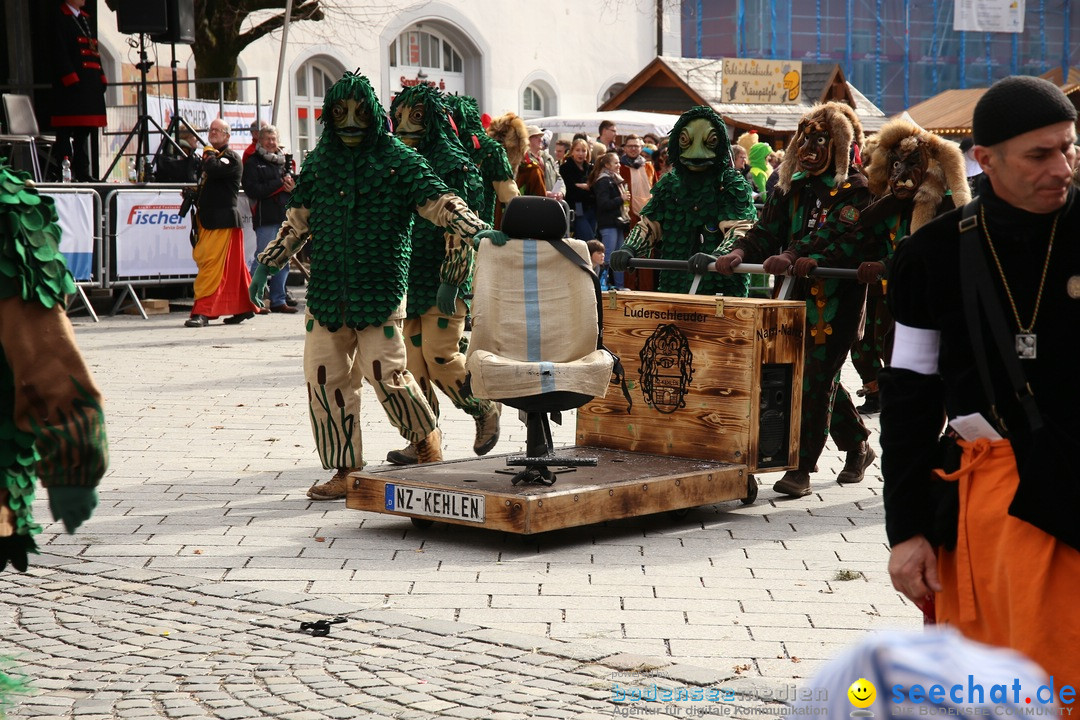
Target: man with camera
269, 181
221, 285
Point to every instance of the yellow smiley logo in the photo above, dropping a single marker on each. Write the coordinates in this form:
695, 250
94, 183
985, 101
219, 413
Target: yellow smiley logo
862, 693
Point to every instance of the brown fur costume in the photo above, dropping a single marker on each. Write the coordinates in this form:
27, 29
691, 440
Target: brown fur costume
944, 161
844, 130
509, 130
747, 140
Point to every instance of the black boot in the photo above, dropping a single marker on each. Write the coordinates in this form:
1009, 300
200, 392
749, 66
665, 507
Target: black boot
870, 406
857, 462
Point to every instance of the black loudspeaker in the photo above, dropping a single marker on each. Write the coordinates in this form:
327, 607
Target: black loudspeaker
181, 23
774, 423
141, 16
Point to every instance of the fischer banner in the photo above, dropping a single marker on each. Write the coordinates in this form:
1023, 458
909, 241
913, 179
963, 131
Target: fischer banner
153, 240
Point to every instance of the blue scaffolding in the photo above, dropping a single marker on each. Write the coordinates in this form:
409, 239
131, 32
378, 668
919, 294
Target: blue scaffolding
898, 52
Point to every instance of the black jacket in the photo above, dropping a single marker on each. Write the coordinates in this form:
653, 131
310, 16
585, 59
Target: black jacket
924, 292
79, 92
609, 201
221, 186
572, 176
263, 186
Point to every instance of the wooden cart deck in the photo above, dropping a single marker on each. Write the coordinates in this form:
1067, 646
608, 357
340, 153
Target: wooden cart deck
478, 491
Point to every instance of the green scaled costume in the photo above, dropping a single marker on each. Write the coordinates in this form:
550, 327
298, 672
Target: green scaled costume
361, 203
695, 210
355, 201
431, 133
51, 422
486, 152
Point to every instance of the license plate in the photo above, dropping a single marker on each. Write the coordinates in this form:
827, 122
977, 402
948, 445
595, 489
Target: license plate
435, 503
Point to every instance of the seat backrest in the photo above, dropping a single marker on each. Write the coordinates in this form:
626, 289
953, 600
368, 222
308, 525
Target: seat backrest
19, 115
531, 303
536, 218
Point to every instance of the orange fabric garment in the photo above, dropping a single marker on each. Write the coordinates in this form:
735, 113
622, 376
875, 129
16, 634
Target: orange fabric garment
1008, 583
221, 287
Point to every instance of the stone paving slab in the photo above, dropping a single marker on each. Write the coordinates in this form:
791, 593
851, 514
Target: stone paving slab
204, 522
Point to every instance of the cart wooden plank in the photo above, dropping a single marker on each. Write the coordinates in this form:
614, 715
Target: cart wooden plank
478, 491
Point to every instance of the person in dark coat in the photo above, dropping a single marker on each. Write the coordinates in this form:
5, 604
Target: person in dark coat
79, 91
221, 287
268, 182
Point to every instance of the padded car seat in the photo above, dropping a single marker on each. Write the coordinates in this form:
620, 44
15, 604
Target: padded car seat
536, 320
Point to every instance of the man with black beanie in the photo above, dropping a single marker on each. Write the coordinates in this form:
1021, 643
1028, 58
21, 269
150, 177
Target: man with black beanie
984, 520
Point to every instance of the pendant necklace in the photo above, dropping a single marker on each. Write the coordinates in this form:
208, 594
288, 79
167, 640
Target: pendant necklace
1025, 339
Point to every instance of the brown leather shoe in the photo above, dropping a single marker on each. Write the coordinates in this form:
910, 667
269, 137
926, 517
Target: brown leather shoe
430, 448
795, 483
857, 462
288, 309
487, 429
333, 489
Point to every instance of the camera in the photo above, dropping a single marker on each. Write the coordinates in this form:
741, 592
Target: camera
288, 169
190, 196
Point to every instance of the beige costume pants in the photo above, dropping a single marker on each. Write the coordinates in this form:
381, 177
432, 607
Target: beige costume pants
334, 363
435, 358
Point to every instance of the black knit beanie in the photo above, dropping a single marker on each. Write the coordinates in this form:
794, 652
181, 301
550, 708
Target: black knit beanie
1017, 105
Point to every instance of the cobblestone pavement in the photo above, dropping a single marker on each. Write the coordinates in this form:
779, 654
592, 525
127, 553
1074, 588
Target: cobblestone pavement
182, 597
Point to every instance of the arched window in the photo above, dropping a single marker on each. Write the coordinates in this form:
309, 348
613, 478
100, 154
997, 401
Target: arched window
310, 84
612, 92
532, 103
427, 55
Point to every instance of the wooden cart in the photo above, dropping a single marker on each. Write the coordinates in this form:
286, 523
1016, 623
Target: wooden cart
715, 385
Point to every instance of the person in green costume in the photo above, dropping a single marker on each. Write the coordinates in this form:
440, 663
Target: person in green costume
52, 426
760, 169
355, 200
487, 154
435, 311
696, 211
813, 215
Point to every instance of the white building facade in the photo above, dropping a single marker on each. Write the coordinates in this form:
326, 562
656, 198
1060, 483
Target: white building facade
535, 60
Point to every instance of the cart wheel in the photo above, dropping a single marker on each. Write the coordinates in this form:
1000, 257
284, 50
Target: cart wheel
751, 491
422, 523
679, 514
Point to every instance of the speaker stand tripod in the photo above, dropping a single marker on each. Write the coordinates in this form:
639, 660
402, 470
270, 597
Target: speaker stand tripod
140, 131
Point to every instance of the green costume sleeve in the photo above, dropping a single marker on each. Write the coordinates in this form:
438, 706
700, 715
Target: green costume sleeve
643, 237
51, 422
769, 235
292, 235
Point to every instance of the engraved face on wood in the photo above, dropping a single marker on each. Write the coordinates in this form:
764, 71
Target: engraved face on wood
666, 368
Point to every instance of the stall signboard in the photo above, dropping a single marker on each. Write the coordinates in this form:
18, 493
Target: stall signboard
762, 82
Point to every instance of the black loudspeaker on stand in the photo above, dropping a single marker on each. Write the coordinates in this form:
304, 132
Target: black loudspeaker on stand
181, 17
171, 21
135, 17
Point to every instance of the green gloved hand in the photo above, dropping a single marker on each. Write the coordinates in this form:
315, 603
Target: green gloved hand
259, 281
446, 299
497, 237
73, 504
620, 260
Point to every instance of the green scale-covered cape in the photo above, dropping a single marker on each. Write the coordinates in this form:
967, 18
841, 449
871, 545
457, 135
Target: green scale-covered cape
362, 202
689, 205
486, 152
31, 268
444, 153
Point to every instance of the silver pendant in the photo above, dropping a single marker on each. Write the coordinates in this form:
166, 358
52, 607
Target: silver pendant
1025, 346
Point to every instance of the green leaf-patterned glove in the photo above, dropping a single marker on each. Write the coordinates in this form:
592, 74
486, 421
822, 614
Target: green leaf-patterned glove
74, 504
446, 298
620, 260
497, 237
259, 280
